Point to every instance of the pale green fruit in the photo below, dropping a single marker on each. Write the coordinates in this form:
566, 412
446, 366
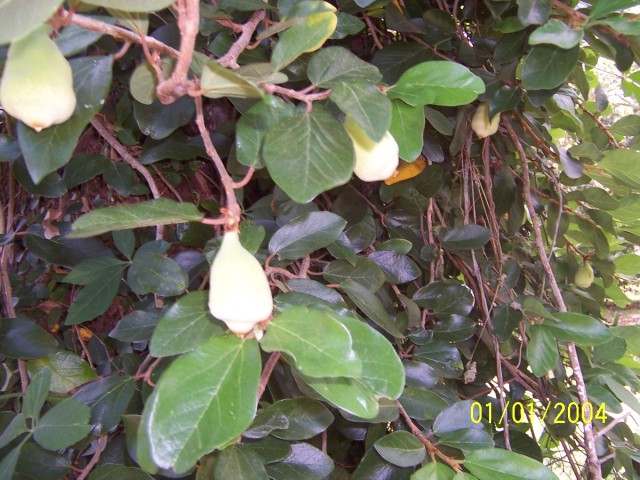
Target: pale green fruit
584, 276
374, 160
239, 292
480, 123
37, 83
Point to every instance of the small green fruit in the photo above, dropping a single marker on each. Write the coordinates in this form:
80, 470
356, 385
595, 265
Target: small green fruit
480, 123
374, 160
37, 82
239, 292
584, 276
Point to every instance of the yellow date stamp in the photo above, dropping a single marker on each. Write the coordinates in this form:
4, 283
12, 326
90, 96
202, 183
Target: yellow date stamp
556, 413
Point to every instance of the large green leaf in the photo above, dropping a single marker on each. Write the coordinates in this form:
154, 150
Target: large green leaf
46, 151
365, 272
349, 394
557, 33
306, 418
205, 399
23, 338
363, 102
319, 344
602, 8
407, 128
628, 264
67, 370
305, 461
108, 471
534, 11
306, 234
398, 268
443, 357
153, 272
309, 153
158, 121
578, 328
451, 298
138, 326
218, 82
542, 350
498, 464
95, 298
401, 448
622, 165
108, 399
36, 393
438, 83
467, 237
548, 66
144, 214
240, 462
16, 20
333, 65
127, 6
62, 426
184, 326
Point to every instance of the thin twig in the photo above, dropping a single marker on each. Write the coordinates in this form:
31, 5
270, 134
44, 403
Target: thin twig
230, 59
266, 372
102, 443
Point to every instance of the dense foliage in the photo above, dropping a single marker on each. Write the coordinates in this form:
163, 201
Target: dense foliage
445, 323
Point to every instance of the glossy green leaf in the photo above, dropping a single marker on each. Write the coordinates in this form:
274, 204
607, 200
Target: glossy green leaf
136, 215
16, 21
467, 237
621, 164
306, 418
602, 9
36, 462
498, 464
318, 290
126, 6
504, 321
159, 121
67, 370
16, 427
371, 305
451, 298
364, 272
9, 148
308, 153
36, 393
435, 471
557, 33
138, 326
578, 328
62, 426
454, 328
108, 399
82, 168
394, 59
627, 264
306, 234
50, 149
401, 448
454, 418
374, 467
94, 299
333, 65
218, 82
214, 385
542, 350
364, 103
438, 83
23, 338
94, 270
113, 470
467, 439
398, 268
534, 12
184, 326
312, 23
240, 462
349, 394
407, 128
422, 404
547, 66
443, 357
271, 449
155, 273
318, 343
305, 461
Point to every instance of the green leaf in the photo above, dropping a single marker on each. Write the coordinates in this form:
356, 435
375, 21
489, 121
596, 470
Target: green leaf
578, 328
309, 153
438, 83
62, 426
436, 471
467, 439
94, 299
36, 462
625, 396
306, 234
548, 66
422, 404
622, 165
407, 128
94, 270
16, 20
455, 418
397, 57
16, 427
218, 82
467, 237
144, 214
498, 464
627, 264
127, 6
504, 321
311, 24
138, 326
110, 471
254, 125
159, 121
363, 102
9, 148
46, 151
602, 8
382, 370
364, 272
184, 326
627, 126
401, 448
557, 33
443, 357
451, 298
542, 350
214, 385
68, 370
240, 462
397, 268
108, 399
454, 328
36, 393
155, 273
534, 12
8, 464
305, 462
334, 65
318, 343
83, 167
22, 338
306, 418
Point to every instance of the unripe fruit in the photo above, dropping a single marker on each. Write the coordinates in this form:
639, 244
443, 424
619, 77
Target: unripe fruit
584, 276
239, 292
480, 123
37, 83
374, 160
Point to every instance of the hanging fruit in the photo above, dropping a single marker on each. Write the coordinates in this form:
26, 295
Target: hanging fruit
481, 124
374, 160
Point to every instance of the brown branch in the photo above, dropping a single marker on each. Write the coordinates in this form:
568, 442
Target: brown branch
266, 373
230, 59
303, 96
102, 443
590, 446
